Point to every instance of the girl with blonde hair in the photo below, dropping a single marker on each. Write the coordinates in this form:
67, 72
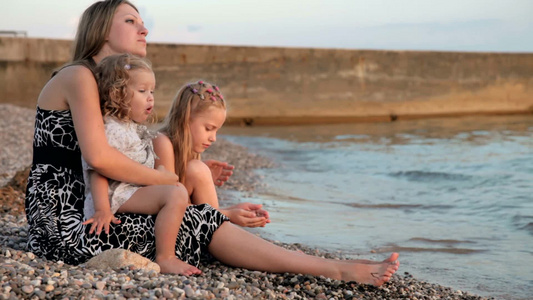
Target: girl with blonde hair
196, 114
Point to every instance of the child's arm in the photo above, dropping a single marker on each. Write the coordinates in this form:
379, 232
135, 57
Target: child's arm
220, 171
243, 214
247, 214
102, 210
165, 153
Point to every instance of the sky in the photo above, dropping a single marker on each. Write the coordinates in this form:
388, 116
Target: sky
435, 25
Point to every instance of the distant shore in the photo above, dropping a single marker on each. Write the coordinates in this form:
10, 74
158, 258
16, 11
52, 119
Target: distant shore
26, 276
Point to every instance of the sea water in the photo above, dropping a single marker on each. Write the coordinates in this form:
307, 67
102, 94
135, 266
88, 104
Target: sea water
453, 196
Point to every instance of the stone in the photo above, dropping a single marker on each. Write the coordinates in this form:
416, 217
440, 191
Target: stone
100, 285
189, 291
120, 258
40, 294
28, 289
48, 288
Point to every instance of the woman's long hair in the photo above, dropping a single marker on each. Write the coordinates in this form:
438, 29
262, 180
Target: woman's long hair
192, 99
93, 29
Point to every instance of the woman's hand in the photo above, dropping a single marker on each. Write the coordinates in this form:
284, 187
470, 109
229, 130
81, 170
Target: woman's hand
169, 178
101, 219
221, 171
248, 215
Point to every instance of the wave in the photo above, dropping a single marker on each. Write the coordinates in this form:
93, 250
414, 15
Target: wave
398, 206
524, 223
396, 248
426, 240
426, 176
528, 227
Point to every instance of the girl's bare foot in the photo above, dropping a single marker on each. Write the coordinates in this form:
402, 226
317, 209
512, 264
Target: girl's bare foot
371, 273
173, 265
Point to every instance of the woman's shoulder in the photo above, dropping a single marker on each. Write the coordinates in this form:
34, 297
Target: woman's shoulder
69, 81
75, 79
75, 72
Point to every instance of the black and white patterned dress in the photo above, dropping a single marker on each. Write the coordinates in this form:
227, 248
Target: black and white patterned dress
55, 201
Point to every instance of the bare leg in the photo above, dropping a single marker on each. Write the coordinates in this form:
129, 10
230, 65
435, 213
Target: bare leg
199, 184
391, 260
239, 248
169, 203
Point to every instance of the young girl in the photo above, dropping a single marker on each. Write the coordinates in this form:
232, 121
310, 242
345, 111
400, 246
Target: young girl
197, 113
126, 84
182, 143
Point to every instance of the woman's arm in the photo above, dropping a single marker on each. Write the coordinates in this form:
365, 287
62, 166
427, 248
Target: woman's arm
81, 92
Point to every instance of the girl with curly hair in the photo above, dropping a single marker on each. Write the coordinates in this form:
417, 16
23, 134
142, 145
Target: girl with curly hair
126, 85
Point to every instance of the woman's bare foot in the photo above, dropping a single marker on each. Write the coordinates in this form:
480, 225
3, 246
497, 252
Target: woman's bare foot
371, 273
393, 259
173, 265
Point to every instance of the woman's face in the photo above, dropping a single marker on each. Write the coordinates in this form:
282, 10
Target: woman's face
127, 33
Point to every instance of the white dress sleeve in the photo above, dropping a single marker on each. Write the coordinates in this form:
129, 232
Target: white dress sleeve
117, 133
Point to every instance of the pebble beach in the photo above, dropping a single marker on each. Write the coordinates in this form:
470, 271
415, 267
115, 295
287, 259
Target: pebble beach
23, 275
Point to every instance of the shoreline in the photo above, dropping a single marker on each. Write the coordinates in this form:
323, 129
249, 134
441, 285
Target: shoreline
24, 275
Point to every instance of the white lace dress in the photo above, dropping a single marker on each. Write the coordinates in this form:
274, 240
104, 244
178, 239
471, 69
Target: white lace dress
134, 141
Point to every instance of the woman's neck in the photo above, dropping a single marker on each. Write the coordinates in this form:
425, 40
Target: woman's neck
104, 52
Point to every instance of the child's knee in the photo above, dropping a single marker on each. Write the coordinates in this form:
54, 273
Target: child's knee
197, 170
178, 196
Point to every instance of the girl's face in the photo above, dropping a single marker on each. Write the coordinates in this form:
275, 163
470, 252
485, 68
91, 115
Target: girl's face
141, 90
127, 33
204, 127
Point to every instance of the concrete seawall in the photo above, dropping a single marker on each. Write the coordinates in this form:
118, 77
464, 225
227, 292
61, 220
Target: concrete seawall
296, 85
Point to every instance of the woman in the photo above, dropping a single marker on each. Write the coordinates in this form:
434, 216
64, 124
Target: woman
69, 124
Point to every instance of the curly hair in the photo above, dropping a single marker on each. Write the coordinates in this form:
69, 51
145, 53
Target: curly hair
113, 76
192, 99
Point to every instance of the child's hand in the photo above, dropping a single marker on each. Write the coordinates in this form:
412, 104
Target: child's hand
101, 219
220, 171
249, 215
170, 177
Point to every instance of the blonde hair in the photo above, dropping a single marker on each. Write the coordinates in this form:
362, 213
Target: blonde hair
93, 29
113, 75
191, 100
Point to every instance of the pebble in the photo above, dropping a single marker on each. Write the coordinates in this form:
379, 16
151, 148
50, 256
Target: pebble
23, 275
28, 289
48, 288
100, 285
